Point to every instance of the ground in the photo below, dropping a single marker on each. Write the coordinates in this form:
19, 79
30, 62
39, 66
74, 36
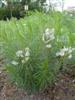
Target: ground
64, 89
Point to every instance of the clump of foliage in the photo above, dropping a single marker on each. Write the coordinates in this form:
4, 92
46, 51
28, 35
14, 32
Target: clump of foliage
16, 8
12, 11
36, 48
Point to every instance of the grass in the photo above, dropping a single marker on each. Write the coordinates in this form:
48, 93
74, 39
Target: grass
43, 65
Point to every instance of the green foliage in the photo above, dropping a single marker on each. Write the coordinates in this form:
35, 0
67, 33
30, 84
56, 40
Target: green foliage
15, 8
42, 66
8, 12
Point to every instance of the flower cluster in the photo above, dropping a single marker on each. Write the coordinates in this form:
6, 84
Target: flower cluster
26, 7
65, 51
48, 36
14, 62
23, 56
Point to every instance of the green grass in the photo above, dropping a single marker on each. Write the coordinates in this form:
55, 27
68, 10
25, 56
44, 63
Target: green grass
43, 65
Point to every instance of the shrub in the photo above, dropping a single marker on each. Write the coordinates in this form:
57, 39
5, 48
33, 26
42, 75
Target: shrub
36, 47
12, 11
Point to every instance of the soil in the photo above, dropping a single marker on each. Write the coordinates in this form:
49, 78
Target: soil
64, 89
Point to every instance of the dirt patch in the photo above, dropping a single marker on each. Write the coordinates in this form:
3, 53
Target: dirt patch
64, 89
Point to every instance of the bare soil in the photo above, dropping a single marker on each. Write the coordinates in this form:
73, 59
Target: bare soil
64, 89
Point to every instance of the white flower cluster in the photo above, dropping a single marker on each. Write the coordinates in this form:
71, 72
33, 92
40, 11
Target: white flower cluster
48, 36
23, 55
19, 53
65, 51
14, 63
26, 7
4, 2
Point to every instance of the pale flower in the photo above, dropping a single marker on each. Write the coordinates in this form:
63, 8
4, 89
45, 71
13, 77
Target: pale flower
5, 2
70, 50
23, 61
62, 54
70, 56
48, 46
26, 7
19, 53
27, 52
57, 54
47, 31
27, 49
48, 35
52, 37
26, 59
14, 63
65, 49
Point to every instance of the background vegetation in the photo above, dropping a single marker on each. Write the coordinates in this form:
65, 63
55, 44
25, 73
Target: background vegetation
15, 8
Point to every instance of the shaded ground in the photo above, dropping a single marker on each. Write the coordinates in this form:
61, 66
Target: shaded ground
64, 89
